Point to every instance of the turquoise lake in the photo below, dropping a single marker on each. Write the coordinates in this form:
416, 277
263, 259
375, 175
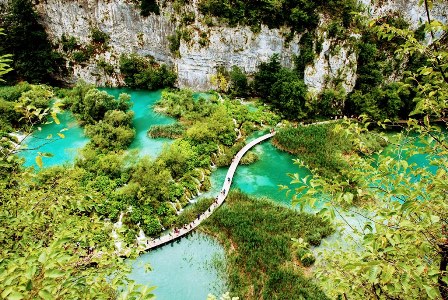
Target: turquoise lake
63, 151
183, 270
189, 268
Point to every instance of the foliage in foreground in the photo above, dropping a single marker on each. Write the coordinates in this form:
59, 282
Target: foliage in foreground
54, 242
260, 253
402, 251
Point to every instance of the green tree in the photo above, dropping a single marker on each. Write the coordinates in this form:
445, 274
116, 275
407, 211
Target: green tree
266, 76
33, 57
91, 105
288, 94
5, 60
141, 72
401, 251
238, 82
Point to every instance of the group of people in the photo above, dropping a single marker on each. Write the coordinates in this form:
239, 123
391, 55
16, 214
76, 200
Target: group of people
176, 230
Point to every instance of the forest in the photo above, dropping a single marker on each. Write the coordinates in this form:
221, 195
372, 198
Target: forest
368, 220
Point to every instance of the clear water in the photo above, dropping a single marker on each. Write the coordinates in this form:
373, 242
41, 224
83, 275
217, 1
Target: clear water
63, 150
188, 269
262, 178
144, 118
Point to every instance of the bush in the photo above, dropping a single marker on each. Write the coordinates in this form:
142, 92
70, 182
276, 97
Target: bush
91, 105
314, 239
172, 131
306, 54
336, 30
107, 67
13, 93
80, 56
149, 6
145, 73
238, 82
306, 257
98, 36
69, 43
174, 41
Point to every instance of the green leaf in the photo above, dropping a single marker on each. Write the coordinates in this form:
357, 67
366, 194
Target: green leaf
431, 292
55, 118
54, 273
44, 294
15, 296
42, 257
29, 285
6, 292
373, 273
368, 227
39, 161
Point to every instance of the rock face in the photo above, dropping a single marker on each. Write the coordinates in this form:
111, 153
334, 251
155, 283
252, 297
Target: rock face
228, 47
131, 33
410, 9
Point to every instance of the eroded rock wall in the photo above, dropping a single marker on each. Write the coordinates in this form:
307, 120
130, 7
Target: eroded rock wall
131, 33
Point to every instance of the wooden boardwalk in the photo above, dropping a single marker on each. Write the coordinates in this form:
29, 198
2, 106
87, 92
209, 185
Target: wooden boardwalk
164, 239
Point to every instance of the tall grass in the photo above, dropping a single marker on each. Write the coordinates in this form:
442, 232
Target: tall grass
171, 131
262, 262
318, 146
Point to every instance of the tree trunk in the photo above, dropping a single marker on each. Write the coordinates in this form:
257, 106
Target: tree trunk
443, 286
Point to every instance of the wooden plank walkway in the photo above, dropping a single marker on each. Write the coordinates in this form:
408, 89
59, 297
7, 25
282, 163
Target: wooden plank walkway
167, 238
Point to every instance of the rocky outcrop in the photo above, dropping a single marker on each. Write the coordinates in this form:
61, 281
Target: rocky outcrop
409, 9
228, 47
196, 64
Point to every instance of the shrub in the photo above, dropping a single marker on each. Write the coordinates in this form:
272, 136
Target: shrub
306, 54
98, 36
140, 72
69, 43
172, 131
149, 6
174, 41
306, 257
314, 239
107, 67
80, 56
238, 82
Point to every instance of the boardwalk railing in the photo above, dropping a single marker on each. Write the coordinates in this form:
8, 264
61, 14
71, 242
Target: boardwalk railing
164, 239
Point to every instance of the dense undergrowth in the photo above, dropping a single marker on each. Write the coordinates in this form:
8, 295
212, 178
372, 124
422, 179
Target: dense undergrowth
262, 260
146, 192
323, 148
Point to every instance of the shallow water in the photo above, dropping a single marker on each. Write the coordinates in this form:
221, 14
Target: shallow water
63, 150
189, 269
144, 118
262, 178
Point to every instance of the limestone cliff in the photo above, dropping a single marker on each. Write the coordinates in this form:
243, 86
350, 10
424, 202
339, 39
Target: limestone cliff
196, 63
